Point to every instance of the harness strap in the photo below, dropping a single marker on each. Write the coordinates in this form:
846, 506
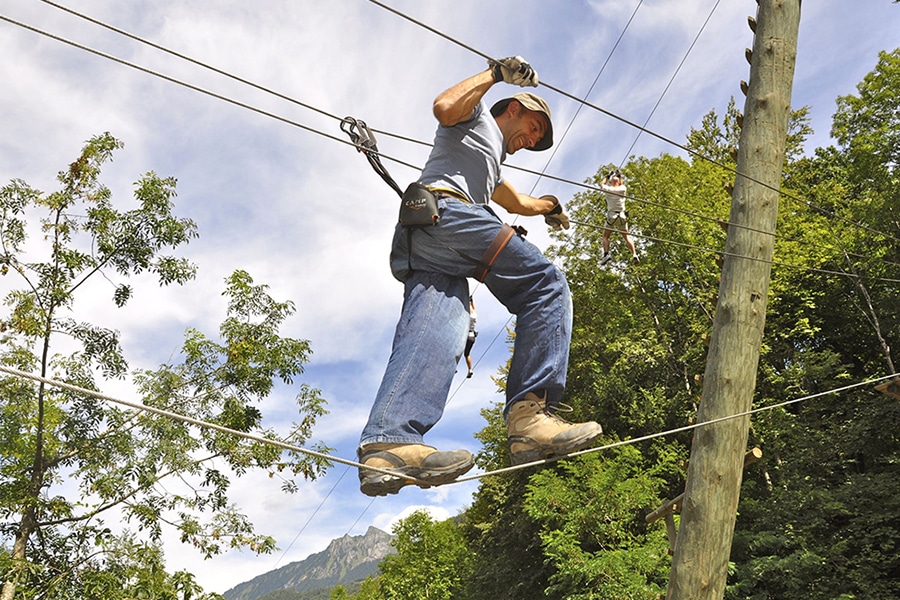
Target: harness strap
493, 251
482, 266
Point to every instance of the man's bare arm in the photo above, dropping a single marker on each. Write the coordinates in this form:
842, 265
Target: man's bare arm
521, 204
457, 103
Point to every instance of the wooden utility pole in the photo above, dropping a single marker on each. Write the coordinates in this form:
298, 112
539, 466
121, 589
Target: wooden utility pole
703, 546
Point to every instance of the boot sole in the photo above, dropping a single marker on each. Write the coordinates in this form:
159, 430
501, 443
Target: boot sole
379, 484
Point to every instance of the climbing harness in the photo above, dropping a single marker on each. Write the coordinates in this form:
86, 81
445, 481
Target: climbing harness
619, 218
419, 203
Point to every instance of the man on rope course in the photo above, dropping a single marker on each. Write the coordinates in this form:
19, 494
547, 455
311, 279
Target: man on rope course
613, 187
445, 225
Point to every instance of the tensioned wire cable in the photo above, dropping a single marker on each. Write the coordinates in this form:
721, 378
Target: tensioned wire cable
772, 262
650, 132
721, 222
556, 147
217, 70
582, 102
318, 132
672, 431
323, 456
672, 79
189, 85
313, 130
641, 130
199, 423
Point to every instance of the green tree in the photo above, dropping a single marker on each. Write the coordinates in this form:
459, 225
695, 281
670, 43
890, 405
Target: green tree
592, 528
432, 560
370, 589
339, 593
820, 518
71, 461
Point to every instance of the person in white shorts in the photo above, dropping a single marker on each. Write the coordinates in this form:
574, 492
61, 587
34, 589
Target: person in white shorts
614, 189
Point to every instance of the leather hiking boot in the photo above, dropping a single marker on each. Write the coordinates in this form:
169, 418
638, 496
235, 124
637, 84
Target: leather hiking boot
535, 432
416, 461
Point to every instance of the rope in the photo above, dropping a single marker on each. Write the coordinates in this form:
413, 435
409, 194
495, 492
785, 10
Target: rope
670, 431
323, 456
204, 424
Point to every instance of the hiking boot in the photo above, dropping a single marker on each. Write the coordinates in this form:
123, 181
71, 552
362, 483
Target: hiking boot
416, 461
605, 259
536, 432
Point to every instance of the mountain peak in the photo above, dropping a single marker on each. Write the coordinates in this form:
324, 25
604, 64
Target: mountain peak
345, 560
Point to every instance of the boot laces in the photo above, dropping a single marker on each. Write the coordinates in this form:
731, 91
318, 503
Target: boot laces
551, 412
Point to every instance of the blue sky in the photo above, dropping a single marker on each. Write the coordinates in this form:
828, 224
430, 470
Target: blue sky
309, 217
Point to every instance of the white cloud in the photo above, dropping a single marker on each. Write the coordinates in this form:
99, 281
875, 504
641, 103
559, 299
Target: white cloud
308, 216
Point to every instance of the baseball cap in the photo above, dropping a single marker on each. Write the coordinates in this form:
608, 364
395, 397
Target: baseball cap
531, 102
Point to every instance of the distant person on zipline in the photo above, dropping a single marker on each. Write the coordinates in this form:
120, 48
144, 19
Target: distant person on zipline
470, 337
613, 187
433, 257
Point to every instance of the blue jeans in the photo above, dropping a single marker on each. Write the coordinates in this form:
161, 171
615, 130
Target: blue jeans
434, 321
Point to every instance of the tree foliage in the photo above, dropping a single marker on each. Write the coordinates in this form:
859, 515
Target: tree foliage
72, 463
818, 516
432, 561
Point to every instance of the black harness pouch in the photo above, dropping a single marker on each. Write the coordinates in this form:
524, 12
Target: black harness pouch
418, 206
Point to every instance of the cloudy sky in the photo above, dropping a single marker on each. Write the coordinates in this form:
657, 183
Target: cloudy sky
305, 213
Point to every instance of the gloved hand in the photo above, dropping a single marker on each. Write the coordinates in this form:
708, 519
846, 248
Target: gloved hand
514, 70
556, 217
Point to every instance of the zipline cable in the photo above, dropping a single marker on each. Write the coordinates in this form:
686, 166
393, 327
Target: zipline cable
719, 221
187, 85
650, 132
774, 263
671, 80
323, 112
214, 69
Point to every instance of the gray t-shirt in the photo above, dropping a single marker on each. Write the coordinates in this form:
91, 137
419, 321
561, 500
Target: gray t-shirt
466, 157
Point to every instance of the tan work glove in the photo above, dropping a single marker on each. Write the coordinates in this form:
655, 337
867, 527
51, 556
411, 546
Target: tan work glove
556, 217
514, 70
